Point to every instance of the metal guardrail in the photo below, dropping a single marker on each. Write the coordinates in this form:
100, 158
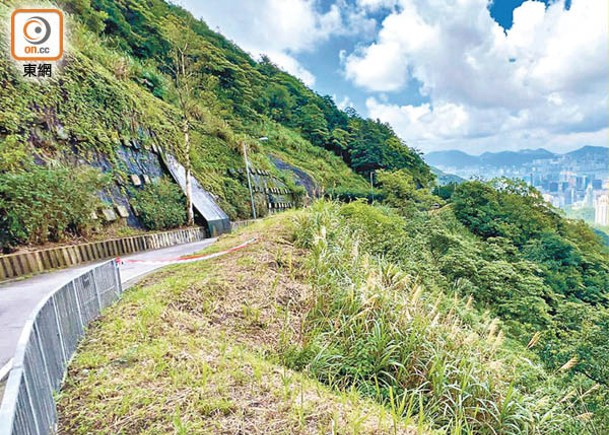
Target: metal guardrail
47, 343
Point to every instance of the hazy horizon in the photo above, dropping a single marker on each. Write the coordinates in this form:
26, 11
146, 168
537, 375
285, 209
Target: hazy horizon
517, 150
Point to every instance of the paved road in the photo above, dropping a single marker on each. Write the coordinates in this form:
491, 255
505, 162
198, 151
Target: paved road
19, 298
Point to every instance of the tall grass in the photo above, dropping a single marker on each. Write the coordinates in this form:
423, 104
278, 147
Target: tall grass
375, 328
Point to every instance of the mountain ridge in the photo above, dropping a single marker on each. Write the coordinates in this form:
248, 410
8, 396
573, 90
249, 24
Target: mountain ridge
460, 159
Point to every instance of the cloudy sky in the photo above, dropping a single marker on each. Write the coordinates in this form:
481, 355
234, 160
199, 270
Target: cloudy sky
446, 74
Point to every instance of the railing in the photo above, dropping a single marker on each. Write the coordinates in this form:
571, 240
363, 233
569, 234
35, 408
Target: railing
47, 344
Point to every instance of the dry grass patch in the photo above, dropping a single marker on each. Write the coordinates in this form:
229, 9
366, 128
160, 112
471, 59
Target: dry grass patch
193, 349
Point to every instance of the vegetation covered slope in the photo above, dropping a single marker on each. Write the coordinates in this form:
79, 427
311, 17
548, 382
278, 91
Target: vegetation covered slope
196, 350
353, 296
118, 85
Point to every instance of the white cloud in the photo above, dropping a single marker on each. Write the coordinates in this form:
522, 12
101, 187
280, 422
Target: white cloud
375, 5
280, 28
542, 82
344, 103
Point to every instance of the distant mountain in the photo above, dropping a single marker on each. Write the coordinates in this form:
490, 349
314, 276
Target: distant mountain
502, 159
590, 152
514, 158
454, 158
444, 178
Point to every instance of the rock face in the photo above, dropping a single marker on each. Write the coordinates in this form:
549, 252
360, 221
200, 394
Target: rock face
136, 166
301, 178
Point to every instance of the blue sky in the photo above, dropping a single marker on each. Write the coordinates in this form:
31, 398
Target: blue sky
446, 74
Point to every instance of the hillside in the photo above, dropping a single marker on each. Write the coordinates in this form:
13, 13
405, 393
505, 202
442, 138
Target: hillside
590, 152
116, 102
422, 304
514, 158
451, 157
352, 319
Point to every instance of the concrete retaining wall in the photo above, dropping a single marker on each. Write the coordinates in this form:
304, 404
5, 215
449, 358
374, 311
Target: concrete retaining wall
15, 265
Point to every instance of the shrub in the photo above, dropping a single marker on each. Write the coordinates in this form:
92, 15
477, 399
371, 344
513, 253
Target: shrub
161, 205
46, 204
373, 327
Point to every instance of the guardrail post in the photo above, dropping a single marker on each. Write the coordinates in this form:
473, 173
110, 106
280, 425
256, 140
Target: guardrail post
77, 300
59, 333
44, 358
96, 288
117, 275
29, 395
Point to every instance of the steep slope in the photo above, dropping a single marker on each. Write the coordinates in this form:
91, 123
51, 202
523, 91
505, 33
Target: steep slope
342, 319
196, 350
118, 87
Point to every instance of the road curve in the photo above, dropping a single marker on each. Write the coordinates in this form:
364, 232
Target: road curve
19, 298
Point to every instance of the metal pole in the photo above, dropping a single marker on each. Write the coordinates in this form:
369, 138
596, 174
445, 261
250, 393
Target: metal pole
249, 181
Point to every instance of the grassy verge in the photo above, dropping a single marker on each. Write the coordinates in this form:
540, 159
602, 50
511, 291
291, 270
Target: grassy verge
194, 349
314, 329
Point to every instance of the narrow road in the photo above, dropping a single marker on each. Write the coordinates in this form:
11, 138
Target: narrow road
19, 298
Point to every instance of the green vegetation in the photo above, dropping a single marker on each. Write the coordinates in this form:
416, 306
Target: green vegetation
392, 305
160, 205
545, 277
118, 84
44, 205
193, 350
377, 326
462, 308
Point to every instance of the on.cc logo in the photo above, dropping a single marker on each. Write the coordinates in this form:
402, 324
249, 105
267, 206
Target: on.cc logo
37, 30
37, 35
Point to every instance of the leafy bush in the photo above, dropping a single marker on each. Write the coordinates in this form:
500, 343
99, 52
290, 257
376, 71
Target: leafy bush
426, 355
161, 205
44, 204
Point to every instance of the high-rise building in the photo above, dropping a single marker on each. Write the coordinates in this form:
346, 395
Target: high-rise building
589, 197
553, 187
569, 196
601, 210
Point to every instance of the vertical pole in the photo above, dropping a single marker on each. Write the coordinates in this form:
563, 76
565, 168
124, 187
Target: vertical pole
249, 181
77, 299
96, 288
30, 393
45, 365
117, 276
66, 357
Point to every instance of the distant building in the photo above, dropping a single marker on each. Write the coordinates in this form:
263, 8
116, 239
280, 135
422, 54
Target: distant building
601, 211
589, 197
553, 187
569, 196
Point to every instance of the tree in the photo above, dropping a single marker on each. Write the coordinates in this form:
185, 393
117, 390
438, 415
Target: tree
313, 124
401, 192
184, 80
